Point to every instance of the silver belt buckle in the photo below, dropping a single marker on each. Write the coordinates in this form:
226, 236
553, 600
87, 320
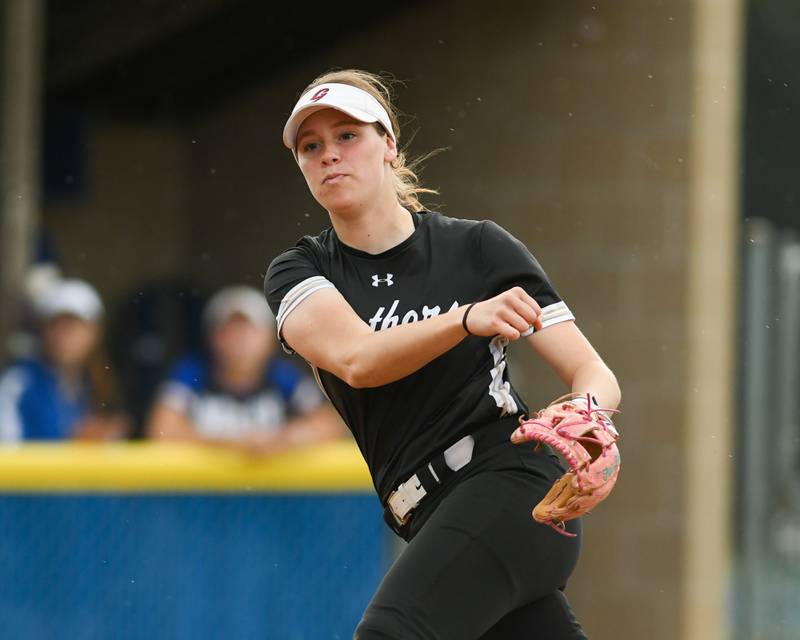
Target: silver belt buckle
403, 500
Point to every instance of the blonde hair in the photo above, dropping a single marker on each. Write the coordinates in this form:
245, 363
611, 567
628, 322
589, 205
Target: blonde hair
406, 179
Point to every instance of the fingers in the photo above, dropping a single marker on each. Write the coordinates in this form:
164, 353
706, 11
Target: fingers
528, 299
507, 331
515, 319
528, 313
511, 314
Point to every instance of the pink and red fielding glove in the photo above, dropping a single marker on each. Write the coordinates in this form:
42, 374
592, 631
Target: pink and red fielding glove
586, 438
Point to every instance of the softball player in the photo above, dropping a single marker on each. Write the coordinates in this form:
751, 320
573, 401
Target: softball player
404, 316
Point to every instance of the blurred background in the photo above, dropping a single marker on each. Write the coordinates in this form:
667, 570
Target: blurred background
645, 152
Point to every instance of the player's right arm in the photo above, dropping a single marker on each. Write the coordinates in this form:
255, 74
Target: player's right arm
325, 330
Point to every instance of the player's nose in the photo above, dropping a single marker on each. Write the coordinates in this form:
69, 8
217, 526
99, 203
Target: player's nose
330, 155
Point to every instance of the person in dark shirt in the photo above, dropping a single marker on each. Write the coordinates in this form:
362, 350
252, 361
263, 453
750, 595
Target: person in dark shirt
404, 316
242, 396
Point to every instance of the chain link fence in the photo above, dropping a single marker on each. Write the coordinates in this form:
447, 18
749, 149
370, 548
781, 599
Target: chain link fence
242, 564
767, 596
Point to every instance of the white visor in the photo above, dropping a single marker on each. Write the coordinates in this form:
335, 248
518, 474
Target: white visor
353, 101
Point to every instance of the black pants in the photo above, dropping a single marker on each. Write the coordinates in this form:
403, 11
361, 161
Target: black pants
478, 567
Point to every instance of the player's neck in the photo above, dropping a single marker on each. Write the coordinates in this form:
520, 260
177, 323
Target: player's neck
376, 229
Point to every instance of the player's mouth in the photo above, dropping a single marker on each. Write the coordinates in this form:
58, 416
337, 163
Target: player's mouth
333, 178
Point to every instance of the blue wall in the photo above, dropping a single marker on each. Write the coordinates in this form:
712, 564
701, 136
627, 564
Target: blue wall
158, 567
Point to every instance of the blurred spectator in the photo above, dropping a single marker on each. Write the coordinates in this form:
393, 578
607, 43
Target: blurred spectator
42, 273
68, 391
243, 396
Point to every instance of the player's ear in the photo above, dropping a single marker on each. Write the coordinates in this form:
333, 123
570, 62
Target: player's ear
390, 154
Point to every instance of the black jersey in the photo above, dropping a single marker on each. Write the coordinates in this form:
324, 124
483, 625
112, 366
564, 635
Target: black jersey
443, 264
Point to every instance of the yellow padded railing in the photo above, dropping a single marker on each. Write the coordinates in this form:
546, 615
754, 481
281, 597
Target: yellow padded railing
157, 467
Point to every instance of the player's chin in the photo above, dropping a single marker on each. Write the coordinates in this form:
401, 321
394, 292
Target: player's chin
337, 200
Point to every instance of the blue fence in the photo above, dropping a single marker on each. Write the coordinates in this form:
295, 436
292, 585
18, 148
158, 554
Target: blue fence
130, 542
160, 566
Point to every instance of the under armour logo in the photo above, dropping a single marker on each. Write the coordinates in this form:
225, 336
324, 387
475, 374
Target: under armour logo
320, 94
388, 280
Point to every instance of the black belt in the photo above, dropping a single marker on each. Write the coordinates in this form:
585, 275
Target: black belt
403, 501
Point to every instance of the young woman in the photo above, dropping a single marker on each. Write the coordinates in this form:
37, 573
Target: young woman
240, 395
404, 315
68, 392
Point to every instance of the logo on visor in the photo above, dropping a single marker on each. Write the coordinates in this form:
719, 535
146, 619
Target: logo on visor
319, 95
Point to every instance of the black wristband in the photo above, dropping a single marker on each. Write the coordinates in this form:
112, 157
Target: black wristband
464, 319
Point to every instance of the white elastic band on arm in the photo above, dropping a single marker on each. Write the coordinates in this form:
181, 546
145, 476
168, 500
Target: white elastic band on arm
555, 313
296, 295
552, 314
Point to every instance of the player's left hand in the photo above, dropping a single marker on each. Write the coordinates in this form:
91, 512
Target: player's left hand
586, 438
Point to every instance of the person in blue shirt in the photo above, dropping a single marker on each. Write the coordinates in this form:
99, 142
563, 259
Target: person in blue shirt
67, 392
241, 395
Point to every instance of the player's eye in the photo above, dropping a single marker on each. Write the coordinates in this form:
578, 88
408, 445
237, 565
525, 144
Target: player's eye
348, 135
310, 146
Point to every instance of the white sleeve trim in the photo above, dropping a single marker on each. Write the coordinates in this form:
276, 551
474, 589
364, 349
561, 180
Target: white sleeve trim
306, 397
555, 313
12, 386
297, 294
177, 396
